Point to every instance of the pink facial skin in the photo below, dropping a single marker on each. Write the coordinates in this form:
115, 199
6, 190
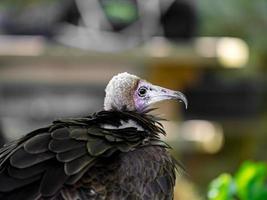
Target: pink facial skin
147, 94
140, 102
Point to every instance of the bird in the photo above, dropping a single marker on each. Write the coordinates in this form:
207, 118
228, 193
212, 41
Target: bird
114, 154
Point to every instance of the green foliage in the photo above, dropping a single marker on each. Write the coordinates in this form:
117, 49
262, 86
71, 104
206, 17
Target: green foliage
249, 183
222, 188
120, 10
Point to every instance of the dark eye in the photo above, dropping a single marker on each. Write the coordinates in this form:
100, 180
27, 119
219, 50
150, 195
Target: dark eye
142, 91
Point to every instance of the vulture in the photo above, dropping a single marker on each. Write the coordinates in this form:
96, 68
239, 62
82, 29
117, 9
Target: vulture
114, 154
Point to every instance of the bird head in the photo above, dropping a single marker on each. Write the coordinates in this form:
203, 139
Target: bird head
126, 91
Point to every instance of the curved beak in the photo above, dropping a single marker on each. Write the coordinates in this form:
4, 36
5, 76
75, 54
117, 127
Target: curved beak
158, 93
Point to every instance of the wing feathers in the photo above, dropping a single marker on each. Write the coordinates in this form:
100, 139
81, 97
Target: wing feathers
8, 183
97, 146
26, 172
37, 144
59, 146
48, 158
79, 134
78, 164
53, 179
61, 133
68, 156
22, 159
74, 178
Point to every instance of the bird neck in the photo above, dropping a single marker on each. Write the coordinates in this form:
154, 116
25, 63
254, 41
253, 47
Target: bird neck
141, 121
122, 103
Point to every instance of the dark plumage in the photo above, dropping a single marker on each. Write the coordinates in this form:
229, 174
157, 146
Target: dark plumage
80, 159
110, 155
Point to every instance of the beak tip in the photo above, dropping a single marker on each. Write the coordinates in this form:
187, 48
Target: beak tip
185, 103
183, 99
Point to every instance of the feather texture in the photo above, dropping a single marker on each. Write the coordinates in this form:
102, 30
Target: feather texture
80, 158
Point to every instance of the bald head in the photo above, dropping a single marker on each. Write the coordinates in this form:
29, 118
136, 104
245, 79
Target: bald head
129, 91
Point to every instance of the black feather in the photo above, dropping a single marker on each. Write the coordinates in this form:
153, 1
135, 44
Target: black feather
9, 183
79, 157
49, 184
80, 133
59, 146
165, 184
28, 192
76, 177
37, 144
27, 172
61, 133
68, 156
78, 164
22, 159
96, 146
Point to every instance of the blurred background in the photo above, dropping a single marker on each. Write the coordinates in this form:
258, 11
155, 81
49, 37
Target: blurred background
56, 56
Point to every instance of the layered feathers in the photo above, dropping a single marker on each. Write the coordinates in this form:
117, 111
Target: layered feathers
81, 159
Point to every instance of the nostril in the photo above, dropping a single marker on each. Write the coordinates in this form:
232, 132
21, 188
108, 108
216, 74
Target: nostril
164, 91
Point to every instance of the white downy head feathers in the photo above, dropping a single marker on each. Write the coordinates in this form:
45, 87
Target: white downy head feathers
120, 91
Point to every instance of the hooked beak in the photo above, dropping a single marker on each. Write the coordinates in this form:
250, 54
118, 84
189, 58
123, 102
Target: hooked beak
158, 93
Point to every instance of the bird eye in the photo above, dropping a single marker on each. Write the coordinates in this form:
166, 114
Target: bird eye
142, 91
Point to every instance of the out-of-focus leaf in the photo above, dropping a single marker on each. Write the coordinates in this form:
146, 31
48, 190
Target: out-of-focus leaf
251, 181
222, 188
